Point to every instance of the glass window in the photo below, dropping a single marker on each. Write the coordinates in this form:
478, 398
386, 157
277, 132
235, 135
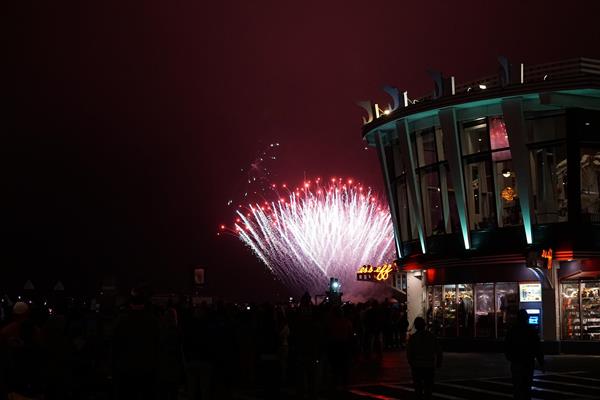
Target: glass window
426, 148
403, 214
484, 310
499, 140
590, 184
449, 303
398, 164
549, 180
480, 194
453, 212
475, 137
440, 144
569, 306
547, 128
507, 306
590, 310
432, 202
507, 201
434, 313
465, 310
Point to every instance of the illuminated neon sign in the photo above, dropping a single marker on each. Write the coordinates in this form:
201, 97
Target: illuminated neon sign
547, 254
371, 273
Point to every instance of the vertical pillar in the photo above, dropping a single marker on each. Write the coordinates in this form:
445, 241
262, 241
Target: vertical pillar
415, 289
512, 109
454, 157
387, 178
411, 180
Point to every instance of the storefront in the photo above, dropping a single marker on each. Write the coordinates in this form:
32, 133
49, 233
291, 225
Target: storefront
495, 199
580, 310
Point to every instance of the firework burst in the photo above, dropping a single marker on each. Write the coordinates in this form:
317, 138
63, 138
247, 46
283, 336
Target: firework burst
316, 232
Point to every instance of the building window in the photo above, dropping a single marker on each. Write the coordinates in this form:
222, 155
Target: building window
440, 144
432, 202
499, 140
475, 138
580, 310
484, 310
426, 148
454, 225
465, 310
434, 310
406, 232
549, 180
449, 310
507, 198
590, 185
590, 310
546, 128
480, 194
507, 307
569, 305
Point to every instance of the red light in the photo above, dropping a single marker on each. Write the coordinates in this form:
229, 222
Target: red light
222, 226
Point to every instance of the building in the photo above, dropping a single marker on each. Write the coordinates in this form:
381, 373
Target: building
494, 191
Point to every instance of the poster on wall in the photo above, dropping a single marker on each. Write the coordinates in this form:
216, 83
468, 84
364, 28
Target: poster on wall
530, 292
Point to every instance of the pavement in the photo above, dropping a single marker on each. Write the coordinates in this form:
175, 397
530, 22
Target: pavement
465, 376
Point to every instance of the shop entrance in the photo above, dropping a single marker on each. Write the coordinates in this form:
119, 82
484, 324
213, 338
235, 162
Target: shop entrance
483, 310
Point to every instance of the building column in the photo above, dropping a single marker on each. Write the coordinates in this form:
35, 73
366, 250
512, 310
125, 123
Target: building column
452, 140
388, 178
415, 290
512, 109
409, 161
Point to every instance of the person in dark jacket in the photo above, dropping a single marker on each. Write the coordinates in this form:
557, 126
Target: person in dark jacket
424, 354
523, 347
136, 344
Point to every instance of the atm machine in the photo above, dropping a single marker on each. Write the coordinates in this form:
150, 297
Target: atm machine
530, 300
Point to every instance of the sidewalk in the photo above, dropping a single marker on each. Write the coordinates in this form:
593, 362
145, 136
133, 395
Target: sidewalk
393, 367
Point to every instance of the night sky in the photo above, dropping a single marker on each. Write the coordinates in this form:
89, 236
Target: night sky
130, 121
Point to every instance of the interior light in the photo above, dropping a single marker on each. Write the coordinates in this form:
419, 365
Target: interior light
506, 173
482, 87
387, 112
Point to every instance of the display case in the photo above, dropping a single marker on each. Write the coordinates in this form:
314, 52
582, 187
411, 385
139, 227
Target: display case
570, 322
484, 310
449, 302
465, 310
580, 310
590, 310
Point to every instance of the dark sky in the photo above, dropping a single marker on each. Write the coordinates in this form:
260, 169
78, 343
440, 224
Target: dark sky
130, 120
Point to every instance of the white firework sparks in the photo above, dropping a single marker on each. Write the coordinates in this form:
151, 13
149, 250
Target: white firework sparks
314, 234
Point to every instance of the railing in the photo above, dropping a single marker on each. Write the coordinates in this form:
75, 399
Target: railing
565, 69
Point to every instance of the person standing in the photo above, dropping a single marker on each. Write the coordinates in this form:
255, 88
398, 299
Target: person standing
424, 355
522, 348
136, 344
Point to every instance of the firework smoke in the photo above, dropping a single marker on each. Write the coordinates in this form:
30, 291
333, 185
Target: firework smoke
318, 232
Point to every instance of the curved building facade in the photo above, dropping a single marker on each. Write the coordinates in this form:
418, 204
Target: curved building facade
494, 191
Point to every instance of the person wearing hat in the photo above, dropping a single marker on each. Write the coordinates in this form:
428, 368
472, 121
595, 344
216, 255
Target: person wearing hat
20, 341
12, 330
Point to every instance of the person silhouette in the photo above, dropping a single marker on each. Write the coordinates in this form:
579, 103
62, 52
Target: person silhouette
424, 354
522, 348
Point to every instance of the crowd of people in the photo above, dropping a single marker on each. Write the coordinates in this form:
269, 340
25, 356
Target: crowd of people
144, 350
